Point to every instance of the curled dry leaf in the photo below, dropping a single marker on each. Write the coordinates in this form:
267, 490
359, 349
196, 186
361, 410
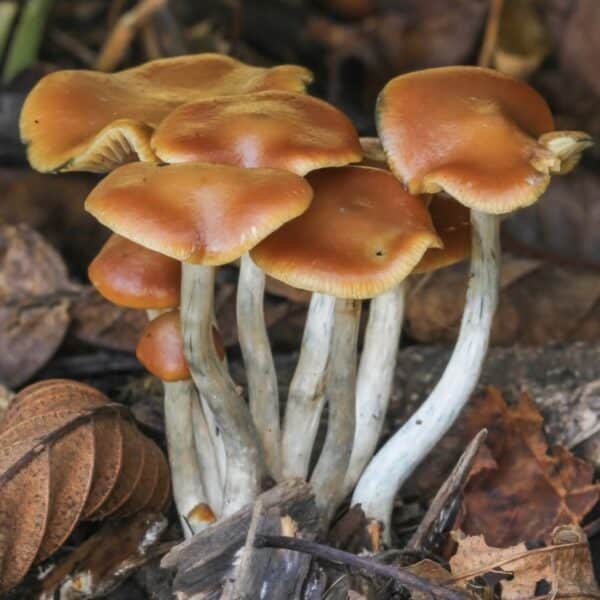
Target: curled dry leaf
539, 303
563, 569
66, 454
35, 295
519, 489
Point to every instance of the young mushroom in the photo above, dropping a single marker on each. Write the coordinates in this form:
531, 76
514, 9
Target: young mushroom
130, 275
205, 215
81, 120
361, 236
275, 129
488, 141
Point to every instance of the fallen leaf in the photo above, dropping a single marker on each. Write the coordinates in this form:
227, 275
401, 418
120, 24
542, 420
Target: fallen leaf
35, 295
102, 324
64, 453
539, 303
565, 226
521, 489
432, 572
562, 569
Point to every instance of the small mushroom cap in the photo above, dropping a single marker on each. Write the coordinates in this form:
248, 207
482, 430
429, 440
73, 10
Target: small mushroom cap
275, 129
89, 121
160, 348
453, 224
469, 131
362, 235
130, 275
197, 212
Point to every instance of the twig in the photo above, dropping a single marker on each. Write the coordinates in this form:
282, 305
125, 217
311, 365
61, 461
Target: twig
124, 31
68, 42
490, 36
27, 38
399, 575
443, 506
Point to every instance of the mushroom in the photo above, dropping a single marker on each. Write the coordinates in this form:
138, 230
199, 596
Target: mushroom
205, 215
275, 129
130, 275
361, 236
89, 121
160, 350
488, 141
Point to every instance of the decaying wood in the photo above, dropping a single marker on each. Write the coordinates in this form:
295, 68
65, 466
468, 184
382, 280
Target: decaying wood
442, 510
104, 560
225, 551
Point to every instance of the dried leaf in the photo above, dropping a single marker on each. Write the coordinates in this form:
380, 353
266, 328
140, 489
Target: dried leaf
431, 571
539, 303
34, 300
564, 566
100, 323
564, 226
64, 451
521, 490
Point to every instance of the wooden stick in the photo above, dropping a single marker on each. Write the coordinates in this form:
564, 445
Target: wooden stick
399, 575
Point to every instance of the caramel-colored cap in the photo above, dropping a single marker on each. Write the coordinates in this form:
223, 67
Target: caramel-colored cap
275, 129
362, 234
89, 121
197, 212
452, 223
471, 132
160, 348
130, 275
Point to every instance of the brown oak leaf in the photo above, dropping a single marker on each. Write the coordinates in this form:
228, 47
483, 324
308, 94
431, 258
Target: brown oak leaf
527, 489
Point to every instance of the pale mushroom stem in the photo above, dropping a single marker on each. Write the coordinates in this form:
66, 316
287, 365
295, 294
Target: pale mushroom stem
330, 470
307, 388
375, 378
403, 452
186, 473
207, 456
216, 439
263, 392
188, 490
245, 467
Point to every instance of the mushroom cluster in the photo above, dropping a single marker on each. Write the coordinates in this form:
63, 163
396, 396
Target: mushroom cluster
227, 162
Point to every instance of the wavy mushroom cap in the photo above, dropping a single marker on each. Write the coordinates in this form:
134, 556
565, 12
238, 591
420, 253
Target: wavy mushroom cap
160, 348
130, 275
469, 131
89, 121
453, 224
197, 212
362, 235
275, 129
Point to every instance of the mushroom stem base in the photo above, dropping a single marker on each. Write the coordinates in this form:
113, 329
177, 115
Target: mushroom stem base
206, 359
330, 470
398, 458
263, 392
375, 378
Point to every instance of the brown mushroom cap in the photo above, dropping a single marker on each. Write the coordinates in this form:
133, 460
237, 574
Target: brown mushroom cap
197, 212
469, 131
89, 121
362, 234
160, 348
130, 275
452, 223
275, 129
